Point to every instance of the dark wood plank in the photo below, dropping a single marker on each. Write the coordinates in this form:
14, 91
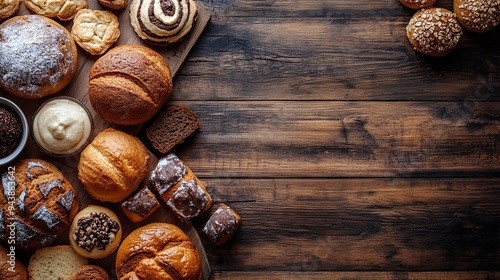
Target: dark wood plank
344, 139
348, 275
359, 224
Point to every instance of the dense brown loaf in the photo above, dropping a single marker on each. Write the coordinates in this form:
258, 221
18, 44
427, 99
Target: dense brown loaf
158, 251
45, 203
478, 15
140, 206
172, 127
185, 195
129, 84
10, 266
38, 57
222, 225
434, 31
112, 165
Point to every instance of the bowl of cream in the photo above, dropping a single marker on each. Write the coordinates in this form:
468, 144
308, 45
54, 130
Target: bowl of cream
62, 126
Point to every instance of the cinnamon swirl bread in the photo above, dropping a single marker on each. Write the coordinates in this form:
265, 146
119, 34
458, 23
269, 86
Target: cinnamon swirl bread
162, 21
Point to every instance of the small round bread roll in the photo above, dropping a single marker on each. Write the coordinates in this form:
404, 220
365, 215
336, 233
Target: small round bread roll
434, 31
129, 84
417, 4
114, 4
158, 251
113, 165
10, 267
95, 31
61, 9
478, 15
89, 271
39, 57
95, 232
46, 203
9, 8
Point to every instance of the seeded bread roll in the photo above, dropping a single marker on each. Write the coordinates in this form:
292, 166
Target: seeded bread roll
95, 232
417, 4
41, 57
158, 251
172, 127
10, 266
45, 203
57, 262
434, 31
129, 84
89, 272
9, 8
478, 15
112, 165
185, 195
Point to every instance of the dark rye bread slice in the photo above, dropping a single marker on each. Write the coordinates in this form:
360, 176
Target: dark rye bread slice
172, 127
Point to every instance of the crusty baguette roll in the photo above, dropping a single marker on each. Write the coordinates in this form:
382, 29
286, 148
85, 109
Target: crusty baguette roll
185, 195
158, 251
113, 165
129, 84
478, 15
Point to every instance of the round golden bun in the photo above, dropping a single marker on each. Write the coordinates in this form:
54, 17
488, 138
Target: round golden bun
417, 4
477, 15
112, 165
41, 59
158, 251
129, 84
79, 223
434, 31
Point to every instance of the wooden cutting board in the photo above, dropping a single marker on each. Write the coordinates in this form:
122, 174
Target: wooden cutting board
175, 55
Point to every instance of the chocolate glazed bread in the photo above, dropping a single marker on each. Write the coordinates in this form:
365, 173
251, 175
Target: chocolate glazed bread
129, 84
44, 203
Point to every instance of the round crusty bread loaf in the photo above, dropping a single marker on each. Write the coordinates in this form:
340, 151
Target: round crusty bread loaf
10, 267
57, 262
113, 165
39, 57
129, 84
158, 251
45, 203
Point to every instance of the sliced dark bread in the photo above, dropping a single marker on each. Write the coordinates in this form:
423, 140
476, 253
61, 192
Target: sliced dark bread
172, 127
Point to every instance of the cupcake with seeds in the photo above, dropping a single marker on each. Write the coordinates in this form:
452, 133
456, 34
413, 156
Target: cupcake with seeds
478, 15
434, 31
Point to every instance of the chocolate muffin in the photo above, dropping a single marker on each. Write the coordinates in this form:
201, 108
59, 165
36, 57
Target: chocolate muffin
10, 131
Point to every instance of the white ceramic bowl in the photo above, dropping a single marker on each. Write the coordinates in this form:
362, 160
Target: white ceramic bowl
24, 137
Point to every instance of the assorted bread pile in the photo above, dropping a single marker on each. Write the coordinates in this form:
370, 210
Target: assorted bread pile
436, 31
128, 85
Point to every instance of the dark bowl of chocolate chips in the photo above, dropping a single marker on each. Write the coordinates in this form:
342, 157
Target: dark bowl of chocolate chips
14, 131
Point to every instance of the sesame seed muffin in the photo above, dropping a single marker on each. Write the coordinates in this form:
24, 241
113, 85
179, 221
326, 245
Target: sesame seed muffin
434, 31
478, 15
417, 4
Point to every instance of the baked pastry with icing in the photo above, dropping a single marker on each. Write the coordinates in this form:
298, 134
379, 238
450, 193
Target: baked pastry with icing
38, 56
222, 225
8, 8
45, 203
141, 205
158, 251
95, 31
434, 31
112, 165
162, 21
185, 195
61, 9
478, 15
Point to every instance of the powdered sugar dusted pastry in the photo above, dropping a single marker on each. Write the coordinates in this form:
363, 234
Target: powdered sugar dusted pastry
162, 21
38, 57
95, 31
61, 9
8, 8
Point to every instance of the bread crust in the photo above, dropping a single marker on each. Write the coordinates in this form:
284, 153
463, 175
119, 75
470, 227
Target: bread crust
61, 9
112, 165
19, 273
129, 84
89, 271
158, 251
477, 15
417, 4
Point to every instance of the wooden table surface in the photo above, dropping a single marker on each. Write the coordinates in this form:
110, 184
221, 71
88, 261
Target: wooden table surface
347, 154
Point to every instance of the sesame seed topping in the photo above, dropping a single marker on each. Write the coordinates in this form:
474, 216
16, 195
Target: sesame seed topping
479, 15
